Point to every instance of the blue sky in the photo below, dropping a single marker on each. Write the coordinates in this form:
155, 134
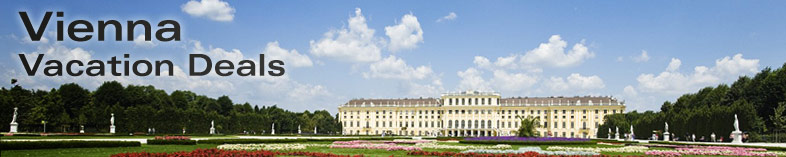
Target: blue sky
642, 52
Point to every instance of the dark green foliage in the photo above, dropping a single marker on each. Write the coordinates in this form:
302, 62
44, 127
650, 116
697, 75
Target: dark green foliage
443, 138
17, 145
138, 108
712, 109
528, 126
171, 142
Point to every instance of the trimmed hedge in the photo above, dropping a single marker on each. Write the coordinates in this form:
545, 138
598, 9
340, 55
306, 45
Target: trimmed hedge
449, 138
17, 145
171, 142
727, 145
614, 141
528, 142
247, 141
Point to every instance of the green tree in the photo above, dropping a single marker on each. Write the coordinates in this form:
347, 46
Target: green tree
528, 127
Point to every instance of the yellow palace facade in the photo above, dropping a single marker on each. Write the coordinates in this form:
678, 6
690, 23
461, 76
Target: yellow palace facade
473, 113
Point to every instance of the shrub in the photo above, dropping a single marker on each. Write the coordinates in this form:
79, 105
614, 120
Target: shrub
172, 142
449, 138
17, 145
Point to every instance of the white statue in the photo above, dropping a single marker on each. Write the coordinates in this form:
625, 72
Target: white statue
617, 133
212, 127
736, 123
298, 129
315, 129
13, 119
273, 129
112, 121
667, 127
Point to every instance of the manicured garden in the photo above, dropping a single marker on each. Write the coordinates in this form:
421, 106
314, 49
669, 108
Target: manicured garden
505, 146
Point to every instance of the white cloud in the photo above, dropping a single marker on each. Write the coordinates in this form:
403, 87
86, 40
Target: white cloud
215, 10
575, 82
396, 68
451, 16
356, 43
471, 79
673, 82
642, 58
553, 54
513, 82
140, 41
736, 65
233, 55
290, 57
406, 35
674, 65
629, 91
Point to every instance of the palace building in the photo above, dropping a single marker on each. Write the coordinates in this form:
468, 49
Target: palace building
474, 113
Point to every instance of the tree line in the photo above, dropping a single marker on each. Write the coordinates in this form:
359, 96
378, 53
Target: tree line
138, 108
758, 101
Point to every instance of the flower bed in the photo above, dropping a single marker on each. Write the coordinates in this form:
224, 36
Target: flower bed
172, 138
276, 146
398, 141
220, 152
460, 147
712, 150
387, 146
516, 138
626, 149
530, 149
455, 154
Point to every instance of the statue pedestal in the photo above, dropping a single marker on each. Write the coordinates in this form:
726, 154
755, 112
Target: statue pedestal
609, 136
737, 137
112, 129
212, 130
81, 131
666, 136
14, 127
617, 137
